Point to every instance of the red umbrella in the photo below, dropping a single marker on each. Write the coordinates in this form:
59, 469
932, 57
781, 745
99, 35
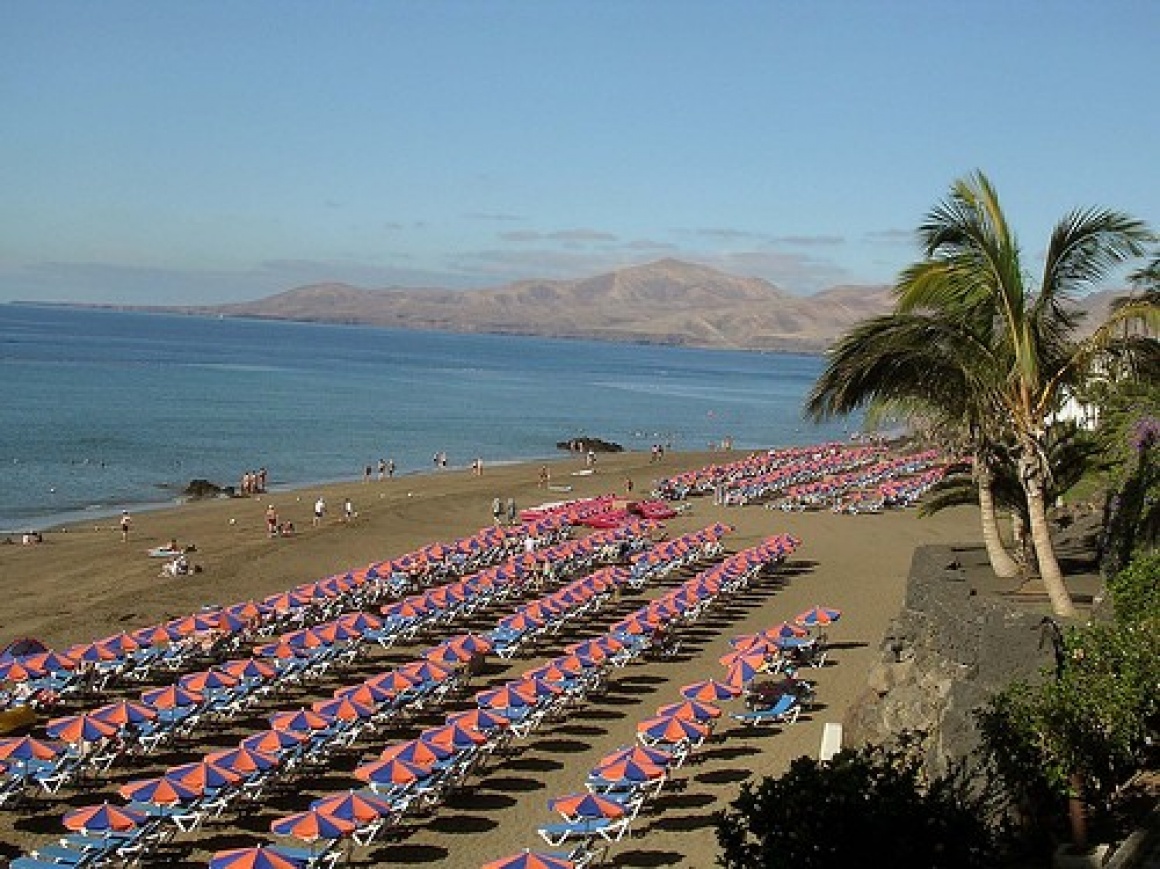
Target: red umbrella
393, 681
208, 680
15, 671
452, 736
248, 668
638, 753
785, 629
365, 693
628, 769
744, 670
103, 818
479, 719
50, 662
507, 696
312, 825
252, 858
425, 671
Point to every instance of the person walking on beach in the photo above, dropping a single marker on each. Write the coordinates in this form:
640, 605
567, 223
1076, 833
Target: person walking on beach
319, 511
545, 476
512, 513
382, 469
348, 510
390, 468
497, 510
271, 521
126, 525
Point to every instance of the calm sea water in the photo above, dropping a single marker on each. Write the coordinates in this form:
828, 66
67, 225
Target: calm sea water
107, 410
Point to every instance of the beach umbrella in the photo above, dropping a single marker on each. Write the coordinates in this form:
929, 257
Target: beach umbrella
482, 720
248, 610
362, 622
743, 671
243, 760
121, 643
299, 719
203, 775
171, 697
261, 857
394, 681
785, 630
282, 651
155, 635
212, 679
273, 741
586, 806
670, 728
628, 769
248, 668
15, 671
513, 694
28, 748
85, 727
418, 752
103, 818
312, 825
357, 806
709, 691
364, 693
693, 709
530, 860
445, 653
391, 772
425, 671
50, 662
452, 736
817, 616
343, 709
123, 712
161, 790
639, 754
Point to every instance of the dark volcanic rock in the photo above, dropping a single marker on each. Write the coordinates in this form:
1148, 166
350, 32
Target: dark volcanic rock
203, 489
585, 444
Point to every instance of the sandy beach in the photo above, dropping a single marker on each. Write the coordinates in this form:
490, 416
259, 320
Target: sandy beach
84, 582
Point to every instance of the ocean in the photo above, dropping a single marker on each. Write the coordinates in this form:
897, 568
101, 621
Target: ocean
108, 410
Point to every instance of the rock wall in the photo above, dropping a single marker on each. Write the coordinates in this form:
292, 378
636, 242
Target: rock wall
943, 657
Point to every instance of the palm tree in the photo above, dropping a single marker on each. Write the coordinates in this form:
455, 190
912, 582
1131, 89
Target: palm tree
1013, 346
931, 366
973, 268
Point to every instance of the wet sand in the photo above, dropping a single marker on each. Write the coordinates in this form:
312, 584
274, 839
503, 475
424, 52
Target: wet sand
84, 582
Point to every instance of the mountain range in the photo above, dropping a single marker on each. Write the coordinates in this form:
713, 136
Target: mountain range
665, 302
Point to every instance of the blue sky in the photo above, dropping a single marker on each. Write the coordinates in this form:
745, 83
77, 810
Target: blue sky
177, 152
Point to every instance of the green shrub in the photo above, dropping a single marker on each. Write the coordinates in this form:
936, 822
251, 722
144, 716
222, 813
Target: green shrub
865, 807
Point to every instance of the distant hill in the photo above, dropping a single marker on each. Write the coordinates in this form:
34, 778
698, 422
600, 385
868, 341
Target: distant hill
665, 302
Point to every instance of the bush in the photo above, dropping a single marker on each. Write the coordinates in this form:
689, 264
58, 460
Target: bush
865, 807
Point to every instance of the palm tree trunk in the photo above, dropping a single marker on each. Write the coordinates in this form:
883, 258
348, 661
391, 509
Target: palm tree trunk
1002, 563
1050, 572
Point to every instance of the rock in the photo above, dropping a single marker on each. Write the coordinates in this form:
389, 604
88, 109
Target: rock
585, 444
203, 489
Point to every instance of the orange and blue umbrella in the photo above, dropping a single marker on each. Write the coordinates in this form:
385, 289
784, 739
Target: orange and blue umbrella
628, 769
672, 729
85, 727
274, 741
248, 668
709, 691
299, 719
262, 857
343, 709
171, 697
243, 760
417, 751
28, 748
817, 616
203, 775
482, 720
638, 753
452, 736
391, 772
103, 818
586, 806
530, 860
693, 709
161, 790
513, 694
123, 712
312, 825
212, 679
359, 807
365, 693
